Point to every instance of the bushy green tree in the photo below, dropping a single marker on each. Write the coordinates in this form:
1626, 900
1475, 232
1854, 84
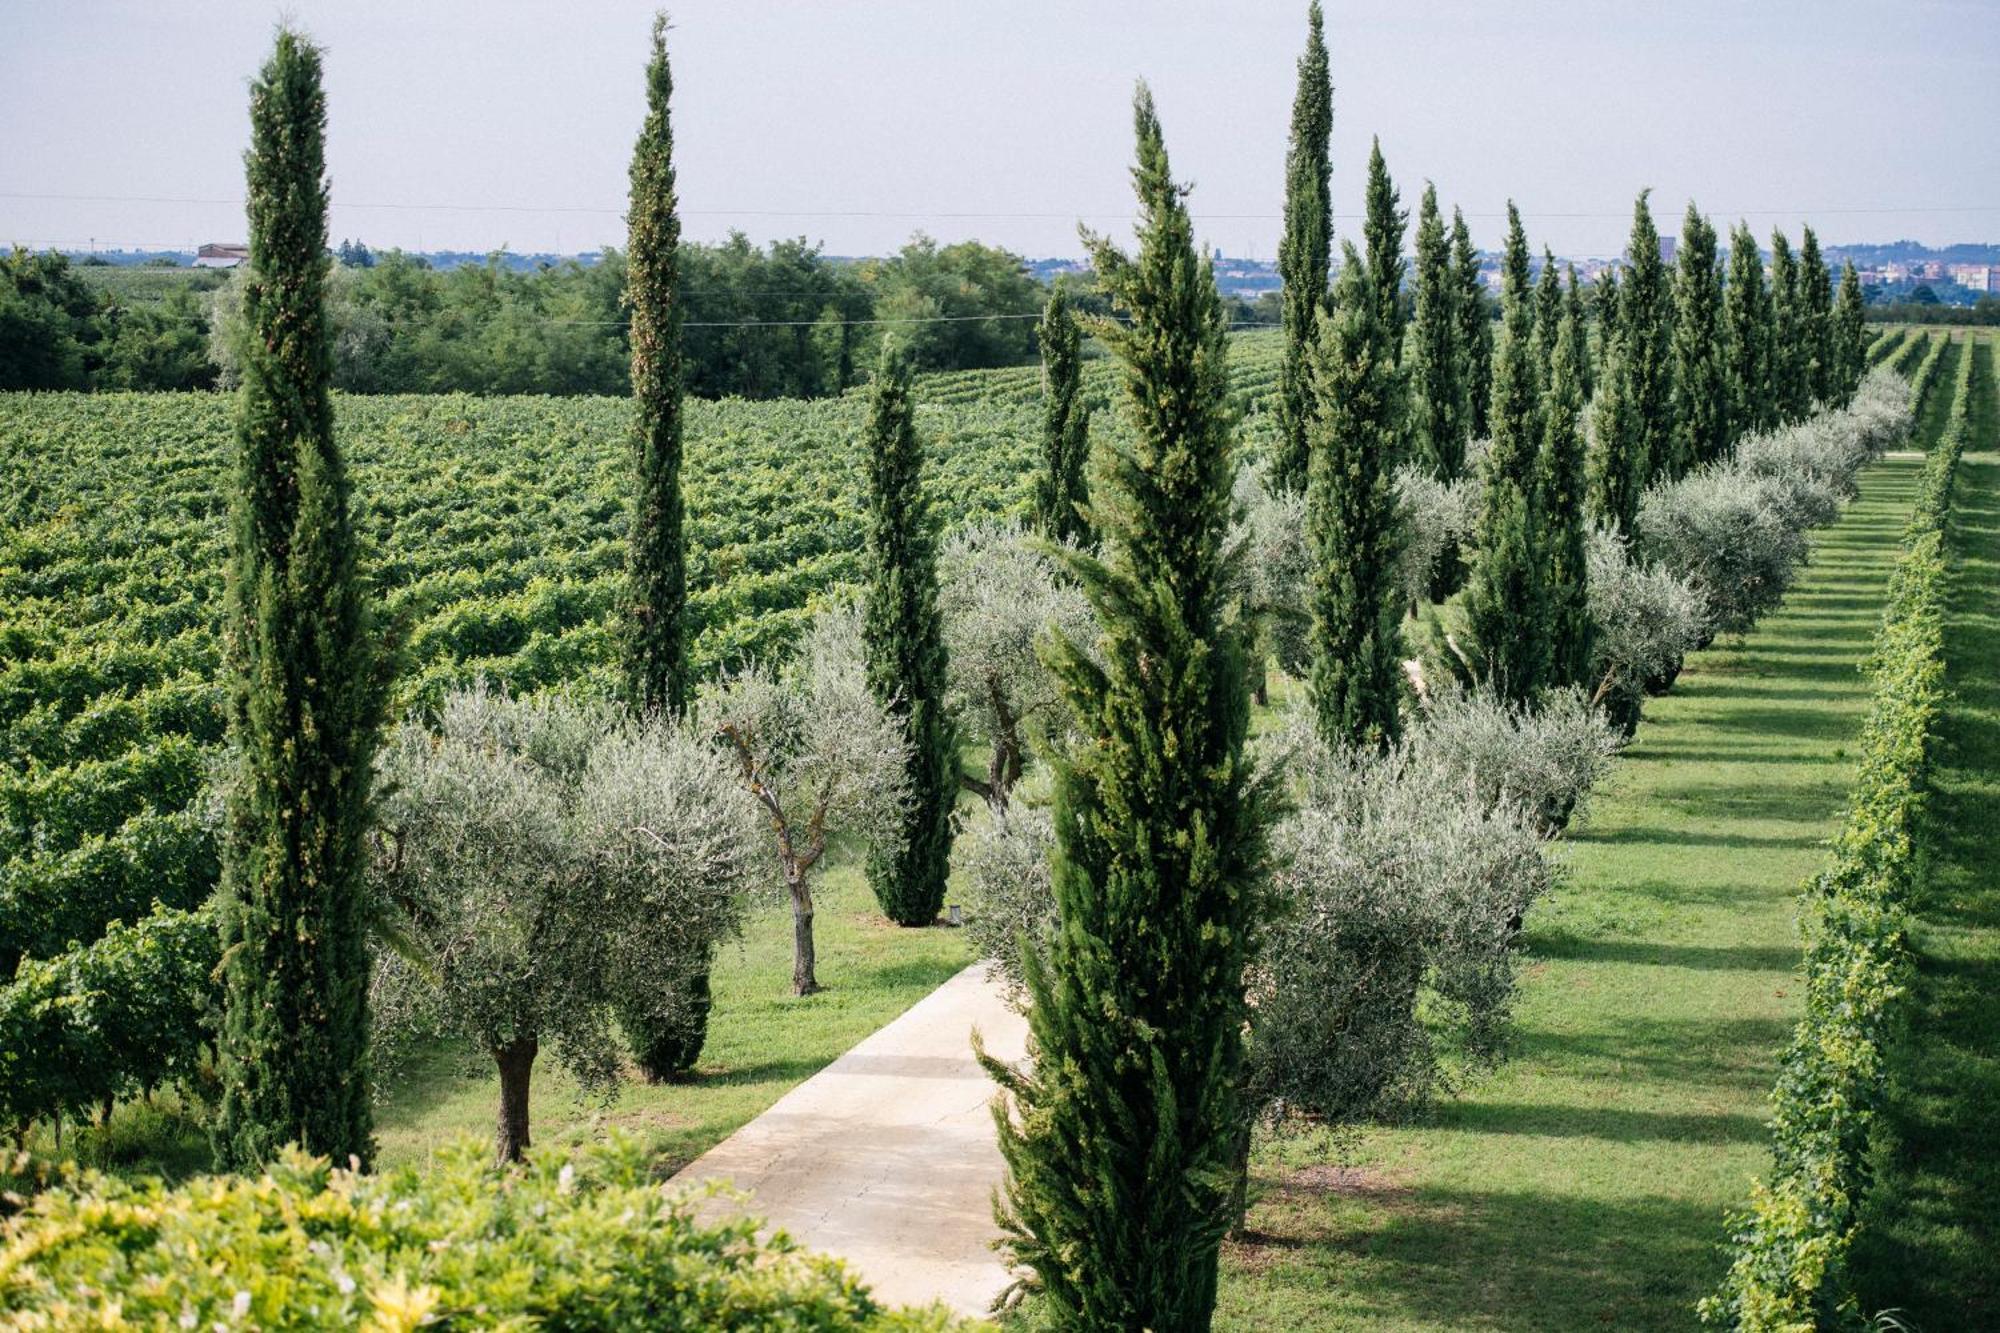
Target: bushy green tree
307, 679
1816, 302
1382, 234
1850, 334
1475, 329
1746, 336
907, 669
1702, 424
1122, 1132
1063, 486
1438, 425
1791, 370
50, 334
1352, 520
1305, 251
1559, 484
1507, 606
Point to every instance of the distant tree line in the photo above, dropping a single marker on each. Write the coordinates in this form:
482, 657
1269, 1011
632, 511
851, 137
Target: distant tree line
1984, 311
783, 321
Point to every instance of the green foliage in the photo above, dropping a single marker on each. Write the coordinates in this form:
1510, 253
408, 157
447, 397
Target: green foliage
1822, 349
1850, 334
984, 296
1573, 308
1703, 427
1791, 1244
1352, 520
1507, 601
1439, 408
1121, 1134
1305, 251
1559, 500
306, 696
1548, 311
1746, 335
53, 899
1062, 487
1634, 407
583, 1243
1791, 366
1475, 329
1382, 233
907, 668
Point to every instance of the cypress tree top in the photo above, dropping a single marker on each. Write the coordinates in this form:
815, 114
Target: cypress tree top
1746, 319
1702, 428
1475, 329
1382, 229
1062, 486
1439, 425
1305, 251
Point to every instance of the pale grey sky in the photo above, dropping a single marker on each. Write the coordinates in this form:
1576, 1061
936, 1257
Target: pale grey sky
489, 122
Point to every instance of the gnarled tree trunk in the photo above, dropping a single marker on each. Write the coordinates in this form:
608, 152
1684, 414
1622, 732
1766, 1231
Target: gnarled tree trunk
517, 1066
804, 980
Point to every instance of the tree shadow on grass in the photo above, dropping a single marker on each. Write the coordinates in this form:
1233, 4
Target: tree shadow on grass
1674, 837
1699, 957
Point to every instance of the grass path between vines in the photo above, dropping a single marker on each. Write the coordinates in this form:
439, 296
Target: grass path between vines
1586, 1184
1932, 1228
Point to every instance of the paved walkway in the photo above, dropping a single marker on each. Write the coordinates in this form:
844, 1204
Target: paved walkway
886, 1158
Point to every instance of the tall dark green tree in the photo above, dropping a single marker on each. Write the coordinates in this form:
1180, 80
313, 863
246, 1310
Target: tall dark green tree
1607, 323
1121, 1133
1850, 334
656, 632
904, 635
1352, 520
1475, 329
1816, 302
1746, 336
1573, 309
1634, 408
1439, 426
1382, 227
1305, 251
1791, 367
1702, 424
1507, 604
1559, 482
1548, 310
1063, 487
307, 682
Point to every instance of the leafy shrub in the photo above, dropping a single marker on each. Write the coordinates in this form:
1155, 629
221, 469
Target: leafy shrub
583, 1243
1728, 535
1646, 621
1012, 899
1543, 760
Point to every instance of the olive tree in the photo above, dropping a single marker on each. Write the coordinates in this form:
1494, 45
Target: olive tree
1542, 759
1000, 594
817, 754
1729, 534
545, 865
1647, 621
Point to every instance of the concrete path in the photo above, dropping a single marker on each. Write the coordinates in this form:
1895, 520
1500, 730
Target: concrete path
886, 1158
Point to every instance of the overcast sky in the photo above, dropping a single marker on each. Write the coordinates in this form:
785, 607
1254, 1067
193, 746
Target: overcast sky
471, 124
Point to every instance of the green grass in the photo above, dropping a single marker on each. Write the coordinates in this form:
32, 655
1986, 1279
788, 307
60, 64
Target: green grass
1931, 1231
1586, 1184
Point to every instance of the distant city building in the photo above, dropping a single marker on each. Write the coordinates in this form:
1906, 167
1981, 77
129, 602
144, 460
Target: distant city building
217, 255
1975, 277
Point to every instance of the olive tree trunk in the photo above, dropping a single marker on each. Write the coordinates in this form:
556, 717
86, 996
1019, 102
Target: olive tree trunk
517, 1066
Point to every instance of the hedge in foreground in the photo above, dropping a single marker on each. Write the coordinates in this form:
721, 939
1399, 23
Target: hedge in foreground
1790, 1246
569, 1244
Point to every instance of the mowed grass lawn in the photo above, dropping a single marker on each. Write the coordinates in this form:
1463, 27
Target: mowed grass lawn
1586, 1184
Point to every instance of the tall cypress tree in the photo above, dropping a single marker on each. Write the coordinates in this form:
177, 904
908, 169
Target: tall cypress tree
1580, 345
1816, 300
1607, 323
1548, 310
1063, 486
1850, 334
1122, 1132
1702, 425
1646, 316
904, 635
1352, 520
1438, 425
1305, 252
1382, 232
1559, 481
1746, 324
1475, 329
1791, 371
1507, 606
306, 681
655, 623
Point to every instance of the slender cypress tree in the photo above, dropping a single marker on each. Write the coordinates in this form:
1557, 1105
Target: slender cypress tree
1580, 345
1702, 425
1382, 233
1121, 1133
1062, 489
1475, 337
655, 630
1548, 310
1791, 371
1438, 425
307, 683
1352, 520
1746, 323
1507, 607
1607, 323
1850, 334
1646, 314
1816, 298
1559, 481
904, 635
1305, 252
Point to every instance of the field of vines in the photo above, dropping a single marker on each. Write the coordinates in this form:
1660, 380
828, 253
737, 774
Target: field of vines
493, 529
